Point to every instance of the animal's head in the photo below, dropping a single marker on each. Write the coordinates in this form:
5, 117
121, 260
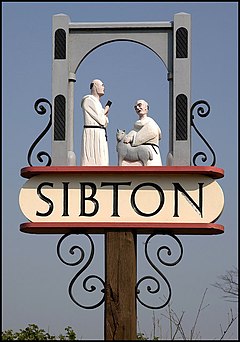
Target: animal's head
120, 134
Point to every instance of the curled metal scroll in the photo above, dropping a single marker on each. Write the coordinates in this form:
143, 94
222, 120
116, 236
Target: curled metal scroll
86, 263
40, 109
202, 113
156, 281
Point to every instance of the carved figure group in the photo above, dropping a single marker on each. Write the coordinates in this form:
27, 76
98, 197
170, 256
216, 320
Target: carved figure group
139, 147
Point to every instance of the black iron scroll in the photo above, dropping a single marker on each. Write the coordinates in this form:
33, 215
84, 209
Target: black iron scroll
200, 105
40, 109
86, 262
162, 276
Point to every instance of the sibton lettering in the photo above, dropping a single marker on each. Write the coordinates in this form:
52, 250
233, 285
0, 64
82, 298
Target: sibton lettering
116, 187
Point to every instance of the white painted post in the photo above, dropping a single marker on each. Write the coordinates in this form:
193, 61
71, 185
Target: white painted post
180, 130
60, 89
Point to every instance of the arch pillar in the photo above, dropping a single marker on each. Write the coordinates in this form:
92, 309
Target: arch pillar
180, 93
60, 90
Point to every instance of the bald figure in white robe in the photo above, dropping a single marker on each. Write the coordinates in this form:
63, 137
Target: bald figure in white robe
94, 142
145, 132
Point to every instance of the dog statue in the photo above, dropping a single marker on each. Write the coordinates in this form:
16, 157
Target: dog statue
131, 153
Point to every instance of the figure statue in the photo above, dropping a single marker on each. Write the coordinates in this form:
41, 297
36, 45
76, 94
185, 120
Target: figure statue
145, 132
94, 149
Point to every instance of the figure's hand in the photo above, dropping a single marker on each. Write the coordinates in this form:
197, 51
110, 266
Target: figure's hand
106, 110
127, 140
108, 105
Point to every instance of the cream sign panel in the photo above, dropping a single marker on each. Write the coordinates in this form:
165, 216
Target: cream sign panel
122, 198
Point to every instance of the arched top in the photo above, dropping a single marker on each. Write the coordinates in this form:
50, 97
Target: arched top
85, 39
114, 41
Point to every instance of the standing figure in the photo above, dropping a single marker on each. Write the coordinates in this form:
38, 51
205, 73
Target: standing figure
94, 149
145, 132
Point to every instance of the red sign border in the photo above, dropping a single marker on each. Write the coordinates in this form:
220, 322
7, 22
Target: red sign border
138, 228
213, 172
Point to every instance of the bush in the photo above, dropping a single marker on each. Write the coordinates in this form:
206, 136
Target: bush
32, 332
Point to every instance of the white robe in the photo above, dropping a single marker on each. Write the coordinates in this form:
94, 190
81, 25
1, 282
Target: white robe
147, 131
94, 148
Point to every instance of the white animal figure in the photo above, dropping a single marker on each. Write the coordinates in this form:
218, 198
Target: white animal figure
131, 153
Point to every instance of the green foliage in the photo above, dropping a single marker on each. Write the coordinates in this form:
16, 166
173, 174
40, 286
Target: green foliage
32, 332
141, 336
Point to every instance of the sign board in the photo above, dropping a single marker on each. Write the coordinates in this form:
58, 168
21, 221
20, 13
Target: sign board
122, 197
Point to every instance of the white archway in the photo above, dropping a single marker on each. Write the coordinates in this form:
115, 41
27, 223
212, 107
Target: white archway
72, 42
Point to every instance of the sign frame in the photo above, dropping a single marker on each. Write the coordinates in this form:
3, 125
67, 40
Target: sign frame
137, 227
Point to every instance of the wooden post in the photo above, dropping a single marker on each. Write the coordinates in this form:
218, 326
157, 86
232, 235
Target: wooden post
120, 281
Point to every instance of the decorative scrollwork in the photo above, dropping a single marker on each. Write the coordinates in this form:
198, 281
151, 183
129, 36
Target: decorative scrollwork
156, 281
40, 109
86, 281
202, 113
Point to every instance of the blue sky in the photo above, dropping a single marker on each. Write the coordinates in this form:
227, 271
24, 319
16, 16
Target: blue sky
35, 281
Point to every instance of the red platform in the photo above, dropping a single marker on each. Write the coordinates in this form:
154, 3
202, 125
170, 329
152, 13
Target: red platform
213, 172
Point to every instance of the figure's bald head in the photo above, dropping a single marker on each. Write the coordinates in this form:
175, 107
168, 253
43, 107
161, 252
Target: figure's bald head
143, 102
141, 107
95, 82
97, 87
